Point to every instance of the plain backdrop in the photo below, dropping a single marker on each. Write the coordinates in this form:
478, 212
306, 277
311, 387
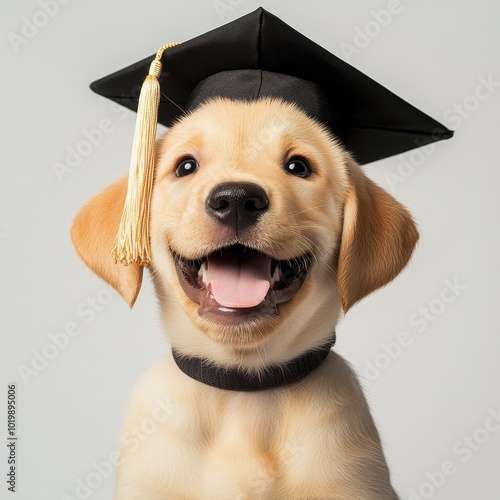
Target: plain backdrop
426, 347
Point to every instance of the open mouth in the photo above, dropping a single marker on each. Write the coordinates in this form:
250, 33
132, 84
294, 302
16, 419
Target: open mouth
238, 281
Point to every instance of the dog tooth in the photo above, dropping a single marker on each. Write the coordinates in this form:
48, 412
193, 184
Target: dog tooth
202, 269
276, 276
202, 272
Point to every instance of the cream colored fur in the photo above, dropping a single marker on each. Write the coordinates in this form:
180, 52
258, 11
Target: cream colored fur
313, 439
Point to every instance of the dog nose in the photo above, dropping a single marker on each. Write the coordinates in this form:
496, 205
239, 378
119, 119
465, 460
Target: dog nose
237, 204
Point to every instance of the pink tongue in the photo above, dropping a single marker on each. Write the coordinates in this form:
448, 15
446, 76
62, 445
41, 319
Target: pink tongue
239, 279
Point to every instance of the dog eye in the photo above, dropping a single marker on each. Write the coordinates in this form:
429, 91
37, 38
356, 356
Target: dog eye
298, 167
186, 167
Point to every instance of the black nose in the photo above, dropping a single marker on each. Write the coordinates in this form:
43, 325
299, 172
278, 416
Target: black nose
237, 204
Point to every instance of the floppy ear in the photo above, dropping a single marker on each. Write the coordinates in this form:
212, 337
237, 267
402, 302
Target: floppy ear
378, 238
93, 233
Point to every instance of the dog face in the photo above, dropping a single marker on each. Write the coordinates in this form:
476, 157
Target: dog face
246, 237
261, 227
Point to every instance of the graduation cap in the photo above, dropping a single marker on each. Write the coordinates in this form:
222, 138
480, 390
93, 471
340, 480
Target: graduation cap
255, 56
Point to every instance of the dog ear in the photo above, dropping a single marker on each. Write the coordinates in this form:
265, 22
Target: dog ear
378, 238
93, 233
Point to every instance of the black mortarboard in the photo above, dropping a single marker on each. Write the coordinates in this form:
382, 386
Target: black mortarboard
256, 56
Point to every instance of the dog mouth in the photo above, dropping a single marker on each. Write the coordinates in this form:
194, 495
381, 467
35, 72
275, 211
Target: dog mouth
240, 282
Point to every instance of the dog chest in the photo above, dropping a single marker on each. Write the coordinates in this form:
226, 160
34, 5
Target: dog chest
221, 444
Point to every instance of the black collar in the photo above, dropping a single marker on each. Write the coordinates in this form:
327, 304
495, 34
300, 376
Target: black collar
234, 379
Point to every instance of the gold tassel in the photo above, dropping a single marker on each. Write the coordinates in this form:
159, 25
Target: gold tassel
132, 245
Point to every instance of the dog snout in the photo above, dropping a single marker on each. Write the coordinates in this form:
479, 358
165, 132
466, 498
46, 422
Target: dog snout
237, 204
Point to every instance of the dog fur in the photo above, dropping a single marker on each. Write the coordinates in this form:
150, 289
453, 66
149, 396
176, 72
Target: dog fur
312, 439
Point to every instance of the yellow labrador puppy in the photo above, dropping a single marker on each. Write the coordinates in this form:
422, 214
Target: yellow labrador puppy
262, 230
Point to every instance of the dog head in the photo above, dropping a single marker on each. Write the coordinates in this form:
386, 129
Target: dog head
262, 227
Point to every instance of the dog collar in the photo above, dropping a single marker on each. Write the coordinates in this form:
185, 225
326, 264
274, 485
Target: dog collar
235, 379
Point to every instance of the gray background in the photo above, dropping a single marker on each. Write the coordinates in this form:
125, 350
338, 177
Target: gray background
438, 390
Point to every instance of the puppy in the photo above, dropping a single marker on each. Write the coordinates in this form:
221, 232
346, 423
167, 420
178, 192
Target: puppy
261, 188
